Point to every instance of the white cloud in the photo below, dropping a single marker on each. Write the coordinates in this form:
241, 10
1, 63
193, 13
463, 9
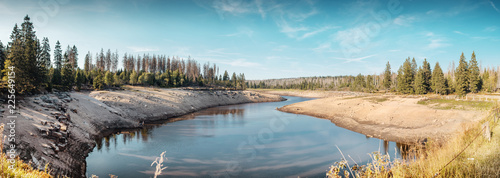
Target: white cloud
459, 32
234, 7
404, 20
490, 29
314, 32
437, 43
359, 59
289, 30
136, 49
494, 7
242, 32
280, 48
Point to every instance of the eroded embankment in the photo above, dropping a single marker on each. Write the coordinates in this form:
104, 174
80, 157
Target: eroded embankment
60, 128
389, 117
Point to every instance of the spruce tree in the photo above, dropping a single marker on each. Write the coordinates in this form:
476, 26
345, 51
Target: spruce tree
438, 80
474, 79
108, 78
406, 78
420, 82
387, 76
461, 77
58, 56
426, 76
45, 54
23, 55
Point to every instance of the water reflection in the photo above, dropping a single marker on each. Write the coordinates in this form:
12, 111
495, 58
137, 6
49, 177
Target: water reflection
143, 134
225, 141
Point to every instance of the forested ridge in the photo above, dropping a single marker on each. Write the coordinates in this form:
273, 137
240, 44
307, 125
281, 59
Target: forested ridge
28, 59
410, 78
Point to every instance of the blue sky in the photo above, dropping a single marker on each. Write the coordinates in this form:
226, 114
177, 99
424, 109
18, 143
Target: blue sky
269, 38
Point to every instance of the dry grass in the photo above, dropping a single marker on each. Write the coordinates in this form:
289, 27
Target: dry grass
480, 159
21, 169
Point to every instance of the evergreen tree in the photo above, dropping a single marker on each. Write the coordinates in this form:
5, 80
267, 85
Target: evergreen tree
67, 75
88, 62
79, 78
133, 78
226, 76
45, 53
58, 56
387, 76
23, 55
461, 77
108, 78
426, 76
438, 80
406, 78
474, 71
98, 81
420, 82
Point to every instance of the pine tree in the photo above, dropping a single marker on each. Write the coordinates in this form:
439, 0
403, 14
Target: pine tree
420, 82
45, 53
88, 62
461, 77
438, 80
387, 76
98, 81
24, 55
133, 78
79, 78
474, 79
108, 78
426, 76
58, 56
67, 75
406, 78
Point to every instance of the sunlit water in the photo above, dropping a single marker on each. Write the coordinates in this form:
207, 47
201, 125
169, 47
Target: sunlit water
247, 140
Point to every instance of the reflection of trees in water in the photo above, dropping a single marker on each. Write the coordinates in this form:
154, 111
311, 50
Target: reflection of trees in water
144, 134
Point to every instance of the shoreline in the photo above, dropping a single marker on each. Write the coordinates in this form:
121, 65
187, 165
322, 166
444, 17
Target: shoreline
388, 117
60, 128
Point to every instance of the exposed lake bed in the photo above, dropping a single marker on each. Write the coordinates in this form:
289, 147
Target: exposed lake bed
247, 140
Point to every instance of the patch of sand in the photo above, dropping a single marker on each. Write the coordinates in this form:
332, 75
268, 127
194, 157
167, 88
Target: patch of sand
393, 118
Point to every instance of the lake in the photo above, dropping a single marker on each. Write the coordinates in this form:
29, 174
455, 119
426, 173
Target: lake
246, 140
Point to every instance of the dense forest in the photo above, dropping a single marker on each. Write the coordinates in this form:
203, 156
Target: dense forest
27, 67
410, 79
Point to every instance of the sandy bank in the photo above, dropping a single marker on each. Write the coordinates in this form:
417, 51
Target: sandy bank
389, 117
60, 128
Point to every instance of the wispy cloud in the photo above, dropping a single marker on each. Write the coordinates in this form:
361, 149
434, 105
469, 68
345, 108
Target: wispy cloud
494, 7
436, 41
314, 32
358, 59
290, 31
404, 20
490, 29
136, 49
459, 32
280, 48
242, 32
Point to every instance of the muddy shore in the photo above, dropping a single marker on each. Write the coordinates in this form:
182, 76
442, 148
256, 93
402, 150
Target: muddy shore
60, 128
388, 117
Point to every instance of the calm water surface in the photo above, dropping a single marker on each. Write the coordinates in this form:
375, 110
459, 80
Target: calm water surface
247, 140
